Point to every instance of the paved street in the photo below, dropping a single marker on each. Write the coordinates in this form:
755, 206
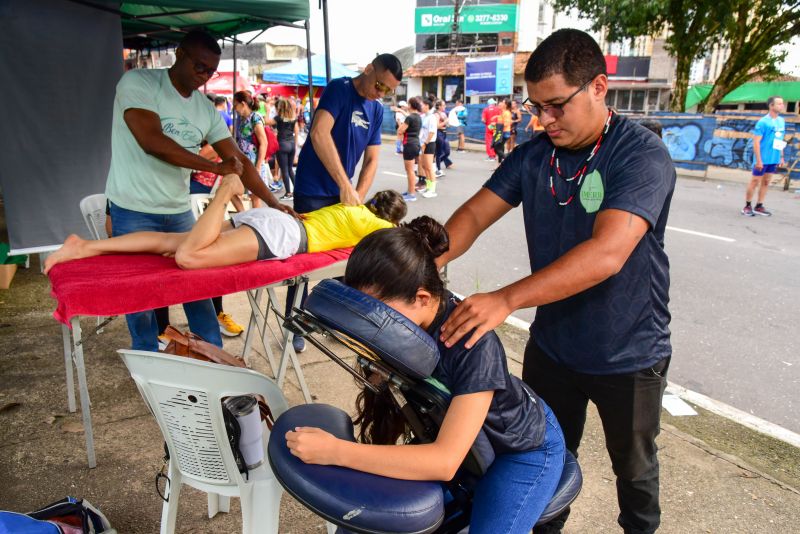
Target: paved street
735, 283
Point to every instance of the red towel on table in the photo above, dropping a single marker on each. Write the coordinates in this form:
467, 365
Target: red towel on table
128, 283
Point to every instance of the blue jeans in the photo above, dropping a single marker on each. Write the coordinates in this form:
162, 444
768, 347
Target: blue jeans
142, 325
518, 486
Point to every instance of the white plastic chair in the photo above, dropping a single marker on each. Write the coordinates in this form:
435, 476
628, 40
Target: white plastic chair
93, 208
199, 202
185, 398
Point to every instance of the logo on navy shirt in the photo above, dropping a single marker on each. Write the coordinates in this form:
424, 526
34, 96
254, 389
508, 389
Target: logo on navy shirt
358, 119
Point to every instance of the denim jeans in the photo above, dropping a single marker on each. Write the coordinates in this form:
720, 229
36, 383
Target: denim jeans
518, 486
629, 406
142, 326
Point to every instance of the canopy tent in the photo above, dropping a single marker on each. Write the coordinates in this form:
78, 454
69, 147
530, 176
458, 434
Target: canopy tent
222, 84
58, 161
748, 92
296, 72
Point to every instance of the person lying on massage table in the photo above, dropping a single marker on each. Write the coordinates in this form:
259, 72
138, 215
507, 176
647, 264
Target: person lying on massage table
257, 234
397, 267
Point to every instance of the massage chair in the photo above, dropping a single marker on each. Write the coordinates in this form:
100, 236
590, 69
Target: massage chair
403, 355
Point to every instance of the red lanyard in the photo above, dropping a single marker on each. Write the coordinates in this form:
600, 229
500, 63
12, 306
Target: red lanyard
581, 172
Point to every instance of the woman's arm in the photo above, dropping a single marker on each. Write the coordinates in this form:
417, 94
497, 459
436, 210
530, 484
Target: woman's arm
261, 135
431, 461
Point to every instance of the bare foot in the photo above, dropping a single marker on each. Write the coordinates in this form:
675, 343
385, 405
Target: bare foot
233, 183
72, 249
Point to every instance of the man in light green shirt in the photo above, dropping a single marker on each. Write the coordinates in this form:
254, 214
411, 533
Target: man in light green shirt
159, 121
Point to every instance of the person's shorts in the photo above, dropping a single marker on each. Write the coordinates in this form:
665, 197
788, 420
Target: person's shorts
430, 148
459, 130
506, 136
410, 151
279, 234
766, 169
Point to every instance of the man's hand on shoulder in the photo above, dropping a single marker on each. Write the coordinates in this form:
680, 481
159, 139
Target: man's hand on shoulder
348, 196
482, 312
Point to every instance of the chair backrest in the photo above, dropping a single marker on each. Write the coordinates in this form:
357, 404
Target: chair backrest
93, 208
185, 396
198, 202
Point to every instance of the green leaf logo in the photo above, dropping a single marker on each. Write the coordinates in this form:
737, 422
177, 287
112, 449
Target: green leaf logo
592, 192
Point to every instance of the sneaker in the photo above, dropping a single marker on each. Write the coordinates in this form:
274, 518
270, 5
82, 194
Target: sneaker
429, 194
439, 173
287, 196
489, 159
421, 186
460, 150
227, 326
408, 197
163, 341
748, 211
275, 186
761, 210
299, 344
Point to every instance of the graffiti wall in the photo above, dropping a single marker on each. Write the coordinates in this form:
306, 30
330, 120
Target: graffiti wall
694, 141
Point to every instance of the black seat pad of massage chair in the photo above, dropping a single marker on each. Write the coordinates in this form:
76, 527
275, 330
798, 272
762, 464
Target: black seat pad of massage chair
358, 501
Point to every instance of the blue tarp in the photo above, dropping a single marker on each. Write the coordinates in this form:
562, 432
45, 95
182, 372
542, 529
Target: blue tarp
296, 72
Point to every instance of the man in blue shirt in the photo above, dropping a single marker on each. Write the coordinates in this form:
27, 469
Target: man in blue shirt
595, 190
221, 103
346, 125
768, 145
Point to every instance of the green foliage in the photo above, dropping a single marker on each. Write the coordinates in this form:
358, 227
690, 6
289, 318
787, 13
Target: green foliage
752, 28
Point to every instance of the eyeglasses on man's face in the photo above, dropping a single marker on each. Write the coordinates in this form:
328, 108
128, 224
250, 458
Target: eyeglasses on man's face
200, 67
554, 110
383, 88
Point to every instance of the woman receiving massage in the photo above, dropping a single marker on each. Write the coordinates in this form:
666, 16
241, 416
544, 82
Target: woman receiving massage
256, 234
397, 267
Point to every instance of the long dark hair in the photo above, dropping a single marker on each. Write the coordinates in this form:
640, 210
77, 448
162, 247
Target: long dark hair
394, 263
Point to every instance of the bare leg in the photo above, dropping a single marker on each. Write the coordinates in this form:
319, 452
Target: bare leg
75, 247
210, 244
412, 178
751, 188
763, 186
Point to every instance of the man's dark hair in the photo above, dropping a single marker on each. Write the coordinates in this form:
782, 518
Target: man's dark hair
219, 100
429, 102
571, 53
771, 100
199, 38
391, 63
652, 125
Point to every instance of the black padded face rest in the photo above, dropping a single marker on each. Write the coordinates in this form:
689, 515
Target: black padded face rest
358, 501
391, 335
569, 486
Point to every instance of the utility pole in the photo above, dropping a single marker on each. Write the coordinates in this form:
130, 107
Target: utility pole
455, 32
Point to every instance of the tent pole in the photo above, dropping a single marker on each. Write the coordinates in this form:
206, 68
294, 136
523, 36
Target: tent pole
234, 64
327, 40
310, 74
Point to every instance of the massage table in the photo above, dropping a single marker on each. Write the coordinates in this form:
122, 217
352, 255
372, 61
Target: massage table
107, 286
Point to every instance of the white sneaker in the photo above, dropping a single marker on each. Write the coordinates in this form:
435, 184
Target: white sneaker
439, 173
429, 194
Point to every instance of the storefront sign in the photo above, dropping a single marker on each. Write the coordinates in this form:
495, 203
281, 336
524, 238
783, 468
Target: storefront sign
472, 19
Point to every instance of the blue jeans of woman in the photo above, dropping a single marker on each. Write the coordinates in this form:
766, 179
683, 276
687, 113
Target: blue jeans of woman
518, 486
200, 314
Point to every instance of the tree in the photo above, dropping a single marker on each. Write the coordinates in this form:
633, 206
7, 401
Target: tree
751, 29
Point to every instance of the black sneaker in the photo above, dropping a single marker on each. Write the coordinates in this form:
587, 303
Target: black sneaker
748, 211
761, 210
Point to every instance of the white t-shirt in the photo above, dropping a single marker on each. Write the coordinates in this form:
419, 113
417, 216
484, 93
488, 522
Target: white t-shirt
138, 181
452, 117
430, 123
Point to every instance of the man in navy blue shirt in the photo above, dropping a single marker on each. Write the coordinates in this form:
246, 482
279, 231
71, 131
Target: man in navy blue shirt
595, 191
346, 125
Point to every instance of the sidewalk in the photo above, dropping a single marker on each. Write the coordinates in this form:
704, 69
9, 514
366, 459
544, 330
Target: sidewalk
42, 445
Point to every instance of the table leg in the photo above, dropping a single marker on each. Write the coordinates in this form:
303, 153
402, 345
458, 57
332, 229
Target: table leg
289, 353
65, 336
86, 410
